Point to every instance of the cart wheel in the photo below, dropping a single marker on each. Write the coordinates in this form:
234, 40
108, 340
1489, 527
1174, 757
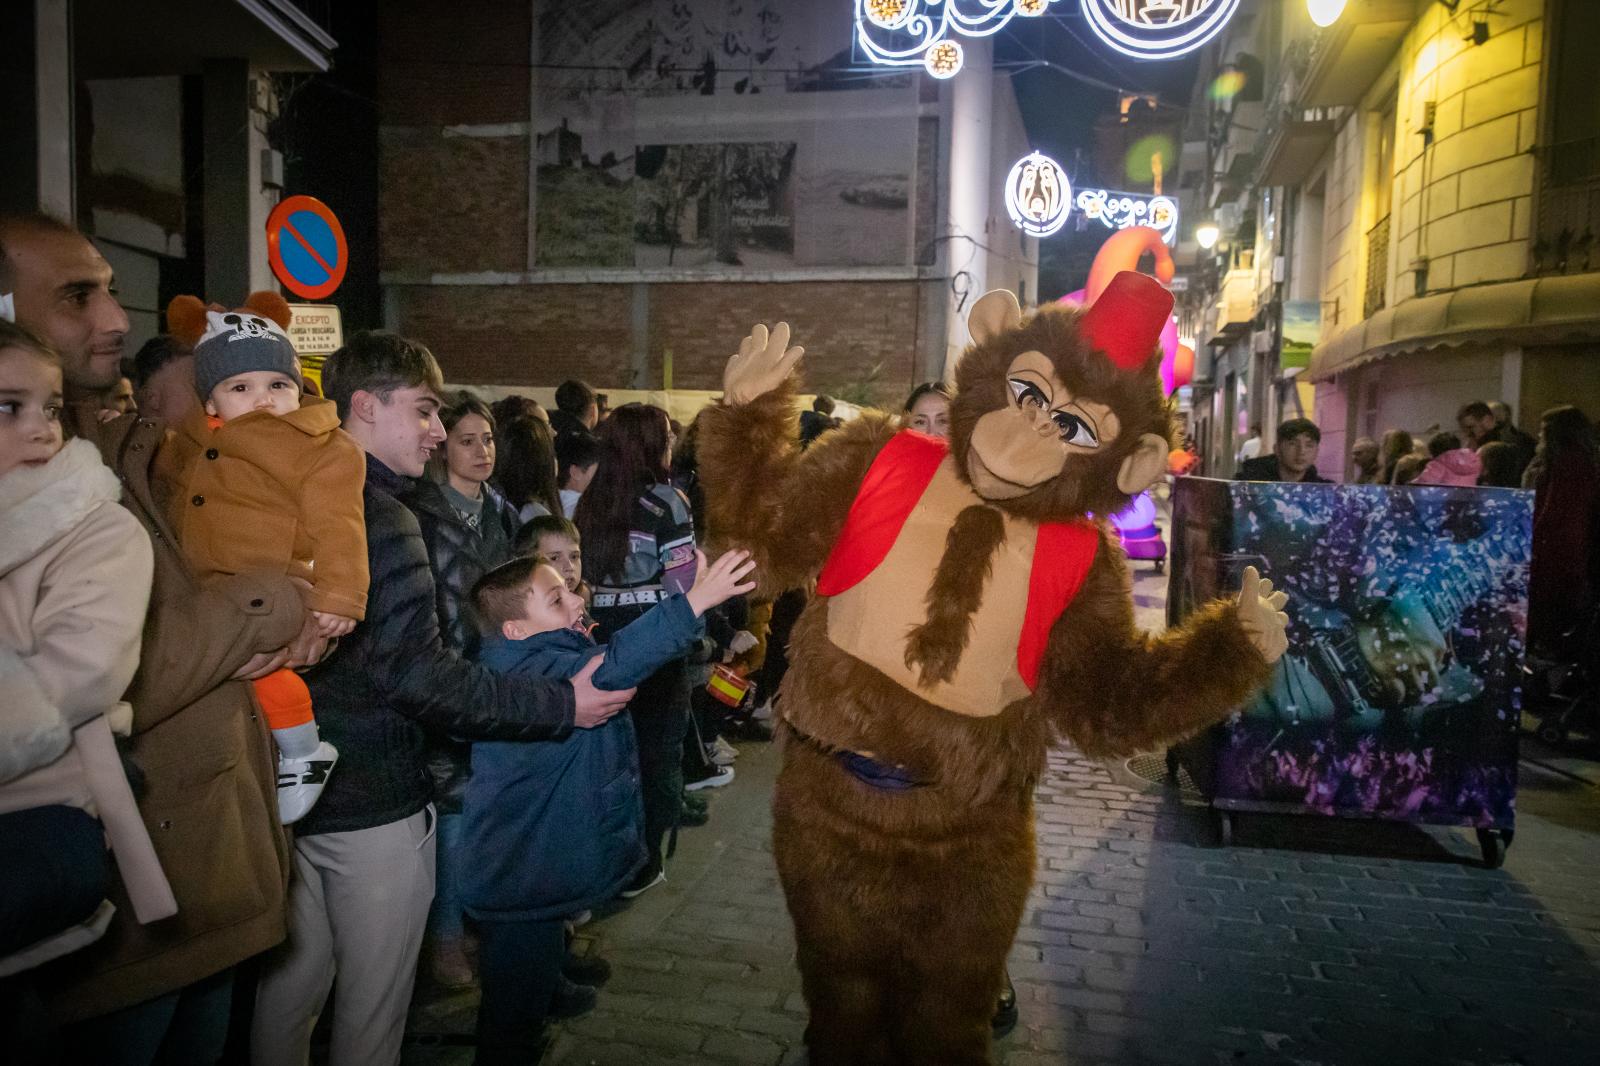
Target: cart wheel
1225, 828
1493, 845
1172, 765
1552, 732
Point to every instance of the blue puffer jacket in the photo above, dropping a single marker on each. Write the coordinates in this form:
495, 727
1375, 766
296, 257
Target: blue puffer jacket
554, 828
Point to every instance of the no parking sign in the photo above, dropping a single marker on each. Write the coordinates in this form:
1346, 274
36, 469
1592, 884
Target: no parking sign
306, 247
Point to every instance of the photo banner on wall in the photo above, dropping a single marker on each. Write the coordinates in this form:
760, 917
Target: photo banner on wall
1400, 694
720, 138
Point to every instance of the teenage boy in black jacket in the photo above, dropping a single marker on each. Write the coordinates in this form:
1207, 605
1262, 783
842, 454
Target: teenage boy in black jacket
364, 859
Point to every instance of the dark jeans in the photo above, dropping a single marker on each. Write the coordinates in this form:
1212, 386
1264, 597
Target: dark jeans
519, 967
660, 712
786, 611
188, 1027
56, 868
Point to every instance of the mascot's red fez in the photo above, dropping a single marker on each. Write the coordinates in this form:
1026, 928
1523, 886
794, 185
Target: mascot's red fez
1127, 320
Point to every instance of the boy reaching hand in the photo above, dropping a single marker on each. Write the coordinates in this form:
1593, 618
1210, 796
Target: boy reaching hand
572, 806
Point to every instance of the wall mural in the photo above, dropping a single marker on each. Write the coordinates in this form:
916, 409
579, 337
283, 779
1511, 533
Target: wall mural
712, 134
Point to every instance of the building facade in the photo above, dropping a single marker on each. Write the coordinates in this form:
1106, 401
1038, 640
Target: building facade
617, 191
157, 143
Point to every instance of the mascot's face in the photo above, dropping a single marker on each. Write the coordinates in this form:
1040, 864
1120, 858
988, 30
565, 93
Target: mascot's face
1047, 427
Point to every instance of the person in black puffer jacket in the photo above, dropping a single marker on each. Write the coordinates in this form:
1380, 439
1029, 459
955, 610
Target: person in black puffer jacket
468, 528
364, 856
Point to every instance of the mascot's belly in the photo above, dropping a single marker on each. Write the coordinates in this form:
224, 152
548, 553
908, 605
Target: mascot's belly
872, 619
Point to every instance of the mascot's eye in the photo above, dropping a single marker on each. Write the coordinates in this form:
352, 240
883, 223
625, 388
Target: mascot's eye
1024, 391
1075, 430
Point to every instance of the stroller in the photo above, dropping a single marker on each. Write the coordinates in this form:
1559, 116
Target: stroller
1561, 686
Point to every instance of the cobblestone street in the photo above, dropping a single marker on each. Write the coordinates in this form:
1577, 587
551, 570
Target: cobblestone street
1310, 941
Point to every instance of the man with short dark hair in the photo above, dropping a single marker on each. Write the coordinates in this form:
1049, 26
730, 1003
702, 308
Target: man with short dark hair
202, 753
1506, 427
364, 856
1293, 458
577, 409
60, 287
163, 379
1477, 425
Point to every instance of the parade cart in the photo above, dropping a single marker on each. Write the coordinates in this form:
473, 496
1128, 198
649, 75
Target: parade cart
1400, 695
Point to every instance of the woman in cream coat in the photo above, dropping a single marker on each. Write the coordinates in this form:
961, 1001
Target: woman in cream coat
75, 570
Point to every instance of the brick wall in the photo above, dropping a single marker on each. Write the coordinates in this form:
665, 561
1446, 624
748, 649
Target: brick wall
543, 334
451, 203
846, 328
461, 62
521, 334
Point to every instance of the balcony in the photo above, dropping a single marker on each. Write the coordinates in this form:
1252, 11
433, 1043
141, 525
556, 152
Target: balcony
1349, 55
1568, 208
1292, 137
1235, 307
1377, 268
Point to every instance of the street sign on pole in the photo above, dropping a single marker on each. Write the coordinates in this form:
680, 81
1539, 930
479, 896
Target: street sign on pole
306, 247
316, 332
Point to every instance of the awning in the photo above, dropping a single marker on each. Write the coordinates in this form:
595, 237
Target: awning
117, 39
1536, 311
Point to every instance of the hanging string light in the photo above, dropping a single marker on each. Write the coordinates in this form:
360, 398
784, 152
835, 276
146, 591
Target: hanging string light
905, 33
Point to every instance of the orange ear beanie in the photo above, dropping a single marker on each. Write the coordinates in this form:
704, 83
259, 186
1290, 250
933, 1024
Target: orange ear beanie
227, 343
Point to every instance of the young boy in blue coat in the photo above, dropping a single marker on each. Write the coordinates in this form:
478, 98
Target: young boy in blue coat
555, 827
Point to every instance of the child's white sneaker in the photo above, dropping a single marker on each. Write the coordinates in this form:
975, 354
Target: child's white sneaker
721, 753
763, 713
300, 781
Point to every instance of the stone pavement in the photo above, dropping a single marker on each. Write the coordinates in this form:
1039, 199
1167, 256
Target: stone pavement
1314, 942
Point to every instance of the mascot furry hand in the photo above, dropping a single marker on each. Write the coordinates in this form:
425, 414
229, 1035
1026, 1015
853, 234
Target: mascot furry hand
968, 612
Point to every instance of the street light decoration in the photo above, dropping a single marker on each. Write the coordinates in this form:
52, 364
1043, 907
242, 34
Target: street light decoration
1119, 210
1325, 12
1157, 29
908, 33
943, 60
1038, 195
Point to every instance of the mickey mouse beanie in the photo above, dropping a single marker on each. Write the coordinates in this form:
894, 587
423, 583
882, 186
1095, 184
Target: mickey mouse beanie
237, 342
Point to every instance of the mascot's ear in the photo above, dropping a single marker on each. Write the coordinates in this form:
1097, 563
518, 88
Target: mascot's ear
1145, 465
995, 312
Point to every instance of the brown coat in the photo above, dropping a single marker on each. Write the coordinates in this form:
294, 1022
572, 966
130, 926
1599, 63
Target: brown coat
275, 493
209, 791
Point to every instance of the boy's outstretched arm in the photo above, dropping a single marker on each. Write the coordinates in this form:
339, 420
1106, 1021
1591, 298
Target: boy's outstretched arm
1115, 690
762, 493
670, 629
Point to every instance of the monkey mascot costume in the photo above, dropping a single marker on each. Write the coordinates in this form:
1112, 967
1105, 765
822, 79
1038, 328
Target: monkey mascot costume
968, 611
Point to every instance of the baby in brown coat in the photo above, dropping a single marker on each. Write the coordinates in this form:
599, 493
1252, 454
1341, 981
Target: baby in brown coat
263, 478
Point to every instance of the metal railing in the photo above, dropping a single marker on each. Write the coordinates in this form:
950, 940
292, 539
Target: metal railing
1377, 268
1569, 207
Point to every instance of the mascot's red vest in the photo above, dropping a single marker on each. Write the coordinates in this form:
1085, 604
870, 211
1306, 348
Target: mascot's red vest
895, 482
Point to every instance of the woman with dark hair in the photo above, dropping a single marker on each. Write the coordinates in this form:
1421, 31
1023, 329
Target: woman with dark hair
638, 549
526, 468
927, 409
468, 528
1565, 474
1395, 446
1501, 466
